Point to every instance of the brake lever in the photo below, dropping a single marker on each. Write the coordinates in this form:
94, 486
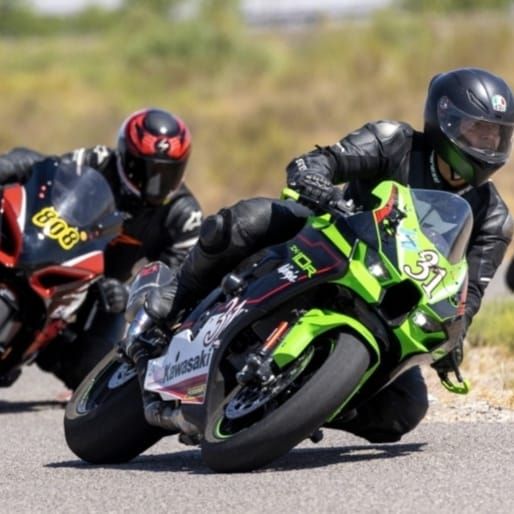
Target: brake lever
463, 386
343, 206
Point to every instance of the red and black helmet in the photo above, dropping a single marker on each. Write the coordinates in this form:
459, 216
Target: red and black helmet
153, 147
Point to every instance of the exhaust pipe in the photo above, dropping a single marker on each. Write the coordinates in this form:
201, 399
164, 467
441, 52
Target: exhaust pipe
167, 415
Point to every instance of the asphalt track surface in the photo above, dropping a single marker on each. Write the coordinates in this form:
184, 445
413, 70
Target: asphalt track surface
460, 467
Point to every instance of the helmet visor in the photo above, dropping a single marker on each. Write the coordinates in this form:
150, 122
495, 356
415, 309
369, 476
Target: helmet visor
156, 179
162, 179
488, 141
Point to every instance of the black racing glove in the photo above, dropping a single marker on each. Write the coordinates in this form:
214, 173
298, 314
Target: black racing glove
113, 295
314, 186
159, 304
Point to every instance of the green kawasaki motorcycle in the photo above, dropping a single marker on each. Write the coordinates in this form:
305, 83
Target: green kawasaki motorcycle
299, 334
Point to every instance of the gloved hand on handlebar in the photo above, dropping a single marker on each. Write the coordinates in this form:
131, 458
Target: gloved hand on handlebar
314, 186
159, 304
113, 295
450, 363
451, 360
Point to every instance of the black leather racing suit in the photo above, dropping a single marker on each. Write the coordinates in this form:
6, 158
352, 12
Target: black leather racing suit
377, 151
164, 233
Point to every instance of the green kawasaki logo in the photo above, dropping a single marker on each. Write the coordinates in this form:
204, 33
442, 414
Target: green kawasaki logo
302, 261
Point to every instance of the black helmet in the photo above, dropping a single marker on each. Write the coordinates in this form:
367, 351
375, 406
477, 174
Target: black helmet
469, 119
153, 147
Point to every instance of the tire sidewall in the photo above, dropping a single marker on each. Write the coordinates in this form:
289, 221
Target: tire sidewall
296, 419
115, 430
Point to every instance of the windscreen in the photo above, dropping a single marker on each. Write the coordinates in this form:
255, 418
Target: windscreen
446, 219
81, 195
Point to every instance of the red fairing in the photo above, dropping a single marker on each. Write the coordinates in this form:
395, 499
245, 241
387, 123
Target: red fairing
461, 308
382, 213
14, 195
11, 208
93, 262
44, 336
47, 280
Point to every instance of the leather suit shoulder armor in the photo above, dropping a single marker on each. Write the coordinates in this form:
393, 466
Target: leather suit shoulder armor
389, 131
392, 139
378, 150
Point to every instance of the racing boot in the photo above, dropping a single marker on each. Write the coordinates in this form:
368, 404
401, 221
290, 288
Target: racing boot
199, 274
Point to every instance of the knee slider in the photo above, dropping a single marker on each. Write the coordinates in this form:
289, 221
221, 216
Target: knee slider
215, 232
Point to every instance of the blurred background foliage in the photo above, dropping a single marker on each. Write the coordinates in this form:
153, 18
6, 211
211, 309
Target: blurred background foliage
254, 97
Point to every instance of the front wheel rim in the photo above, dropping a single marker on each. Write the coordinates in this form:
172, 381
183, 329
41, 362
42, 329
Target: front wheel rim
236, 424
103, 384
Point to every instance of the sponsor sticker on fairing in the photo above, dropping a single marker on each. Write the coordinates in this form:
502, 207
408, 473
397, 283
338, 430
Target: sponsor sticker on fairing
182, 373
288, 272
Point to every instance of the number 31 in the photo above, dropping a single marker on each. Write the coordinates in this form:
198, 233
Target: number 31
428, 264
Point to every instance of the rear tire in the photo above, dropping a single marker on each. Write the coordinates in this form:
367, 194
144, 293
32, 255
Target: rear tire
104, 421
294, 420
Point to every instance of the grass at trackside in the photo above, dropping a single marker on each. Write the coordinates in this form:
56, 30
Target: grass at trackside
494, 325
254, 98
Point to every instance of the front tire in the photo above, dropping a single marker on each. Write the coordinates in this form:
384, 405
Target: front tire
104, 421
276, 432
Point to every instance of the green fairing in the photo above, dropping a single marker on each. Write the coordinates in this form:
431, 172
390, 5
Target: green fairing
359, 279
408, 239
411, 337
311, 325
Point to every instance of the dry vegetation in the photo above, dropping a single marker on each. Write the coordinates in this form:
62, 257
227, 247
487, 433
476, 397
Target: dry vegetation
491, 373
254, 99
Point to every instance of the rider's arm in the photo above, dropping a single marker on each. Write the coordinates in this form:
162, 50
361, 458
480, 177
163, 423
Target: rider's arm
376, 150
182, 228
15, 165
99, 157
492, 234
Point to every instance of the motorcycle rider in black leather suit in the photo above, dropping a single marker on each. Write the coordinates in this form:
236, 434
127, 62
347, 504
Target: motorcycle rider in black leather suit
469, 120
162, 218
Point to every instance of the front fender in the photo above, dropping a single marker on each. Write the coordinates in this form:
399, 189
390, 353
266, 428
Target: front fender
311, 325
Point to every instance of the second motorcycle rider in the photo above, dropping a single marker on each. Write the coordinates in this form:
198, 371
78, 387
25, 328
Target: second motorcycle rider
162, 218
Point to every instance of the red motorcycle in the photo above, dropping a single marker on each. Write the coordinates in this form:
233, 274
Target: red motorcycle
53, 233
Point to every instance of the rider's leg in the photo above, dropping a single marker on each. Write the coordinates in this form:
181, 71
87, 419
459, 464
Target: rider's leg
225, 240
391, 413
